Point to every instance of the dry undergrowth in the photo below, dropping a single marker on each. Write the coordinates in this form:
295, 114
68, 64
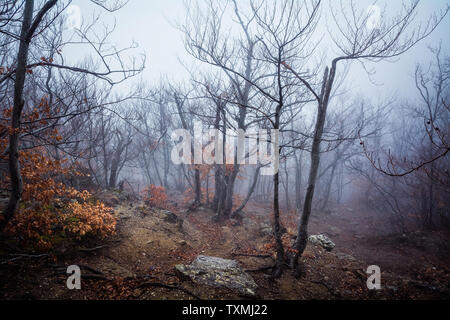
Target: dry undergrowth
150, 242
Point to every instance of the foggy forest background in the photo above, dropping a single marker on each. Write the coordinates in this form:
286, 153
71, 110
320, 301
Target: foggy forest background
77, 118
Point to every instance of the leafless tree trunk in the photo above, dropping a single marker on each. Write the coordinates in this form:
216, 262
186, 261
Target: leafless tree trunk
28, 28
250, 191
197, 183
302, 235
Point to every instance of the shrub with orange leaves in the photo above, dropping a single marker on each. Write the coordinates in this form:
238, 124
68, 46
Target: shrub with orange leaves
51, 212
155, 196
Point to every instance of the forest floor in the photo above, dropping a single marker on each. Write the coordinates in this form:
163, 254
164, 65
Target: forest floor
138, 263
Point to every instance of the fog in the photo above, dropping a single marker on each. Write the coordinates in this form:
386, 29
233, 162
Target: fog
153, 25
293, 117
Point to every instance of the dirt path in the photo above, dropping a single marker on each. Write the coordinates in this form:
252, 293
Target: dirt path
139, 261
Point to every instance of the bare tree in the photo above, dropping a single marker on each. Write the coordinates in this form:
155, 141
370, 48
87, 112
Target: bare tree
355, 41
32, 28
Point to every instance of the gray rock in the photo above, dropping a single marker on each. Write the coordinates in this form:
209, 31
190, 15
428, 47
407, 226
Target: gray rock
214, 262
323, 241
218, 272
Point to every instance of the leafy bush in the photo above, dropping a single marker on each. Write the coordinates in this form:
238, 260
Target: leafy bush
50, 212
156, 196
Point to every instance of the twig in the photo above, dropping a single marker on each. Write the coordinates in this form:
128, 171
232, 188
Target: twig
20, 256
62, 268
90, 269
92, 249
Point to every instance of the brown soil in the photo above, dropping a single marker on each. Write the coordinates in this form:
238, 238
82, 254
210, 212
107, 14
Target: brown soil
139, 261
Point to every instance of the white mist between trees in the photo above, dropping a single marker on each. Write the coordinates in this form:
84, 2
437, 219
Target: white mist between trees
241, 147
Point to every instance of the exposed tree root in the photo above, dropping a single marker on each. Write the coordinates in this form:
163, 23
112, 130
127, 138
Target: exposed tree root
23, 256
92, 249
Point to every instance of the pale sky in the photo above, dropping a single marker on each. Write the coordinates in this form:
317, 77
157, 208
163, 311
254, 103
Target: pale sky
150, 23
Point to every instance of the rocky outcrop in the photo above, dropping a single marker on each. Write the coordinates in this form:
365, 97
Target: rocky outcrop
323, 241
218, 272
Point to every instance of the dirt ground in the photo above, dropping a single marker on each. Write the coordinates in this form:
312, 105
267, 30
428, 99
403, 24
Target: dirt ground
138, 262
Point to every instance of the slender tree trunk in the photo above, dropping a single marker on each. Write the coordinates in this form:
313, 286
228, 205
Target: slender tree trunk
286, 187
276, 203
277, 227
302, 234
430, 223
298, 180
218, 174
250, 192
230, 179
198, 188
218, 187
114, 170
13, 161
197, 183
207, 189
328, 187
157, 170
340, 183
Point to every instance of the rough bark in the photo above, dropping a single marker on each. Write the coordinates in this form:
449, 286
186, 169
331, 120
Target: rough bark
27, 31
276, 201
302, 234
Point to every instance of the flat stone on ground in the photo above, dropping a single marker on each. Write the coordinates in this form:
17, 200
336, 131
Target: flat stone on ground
218, 272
